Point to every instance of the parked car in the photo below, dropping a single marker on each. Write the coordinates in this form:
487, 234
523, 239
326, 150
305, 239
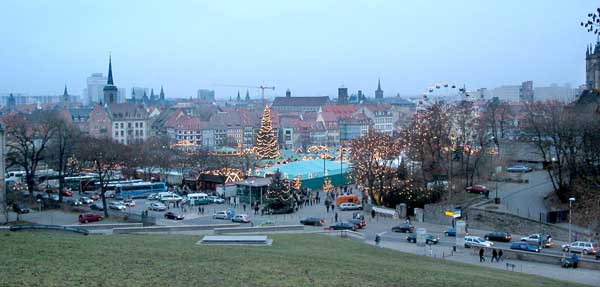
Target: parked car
89, 217
341, 226
451, 232
404, 228
312, 221
20, 208
350, 206
474, 241
519, 168
153, 196
220, 215
429, 238
524, 246
585, 247
42, 196
86, 200
243, 218
498, 236
358, 222
117, 205
539, 239
157, 206
66, 192
95, 196
170, 197
216, 199
478, 188
129, 202
172, 215
97, 206
54, 197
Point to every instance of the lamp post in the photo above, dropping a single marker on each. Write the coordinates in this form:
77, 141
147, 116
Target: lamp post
571, 199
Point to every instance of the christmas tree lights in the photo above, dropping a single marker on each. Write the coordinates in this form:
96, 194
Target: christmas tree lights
266, 143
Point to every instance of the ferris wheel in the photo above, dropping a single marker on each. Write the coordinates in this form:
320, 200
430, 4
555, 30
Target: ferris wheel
445, 92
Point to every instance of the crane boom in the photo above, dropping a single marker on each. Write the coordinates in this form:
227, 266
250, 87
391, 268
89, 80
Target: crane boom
261, 87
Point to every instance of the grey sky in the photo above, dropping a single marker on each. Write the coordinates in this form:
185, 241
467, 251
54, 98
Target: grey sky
311, 47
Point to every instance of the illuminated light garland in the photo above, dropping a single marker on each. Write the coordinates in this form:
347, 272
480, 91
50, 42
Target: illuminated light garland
266, 143
327, 186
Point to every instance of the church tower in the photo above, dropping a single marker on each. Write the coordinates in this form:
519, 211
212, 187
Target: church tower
110, 90
379, 91
65, 96
161, 96
12, 103
592, 67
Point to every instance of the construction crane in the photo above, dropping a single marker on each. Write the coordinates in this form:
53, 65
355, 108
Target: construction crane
261, 87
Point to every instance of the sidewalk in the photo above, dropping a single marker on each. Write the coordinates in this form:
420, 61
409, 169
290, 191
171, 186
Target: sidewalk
468, 256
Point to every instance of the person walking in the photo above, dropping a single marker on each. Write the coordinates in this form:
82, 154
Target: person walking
332, 207
481, 258
336, 217
244, 207
575, 260
327, 206
377, 240
500, 255
199, 210
494, 255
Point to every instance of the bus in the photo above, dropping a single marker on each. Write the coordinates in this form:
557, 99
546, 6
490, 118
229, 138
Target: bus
112, 184
139, 189
83, 182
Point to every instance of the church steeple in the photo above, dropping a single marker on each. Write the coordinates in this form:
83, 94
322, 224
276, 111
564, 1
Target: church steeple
379, 91
247, 95
239, 98
65, 95
162, 94
110, 77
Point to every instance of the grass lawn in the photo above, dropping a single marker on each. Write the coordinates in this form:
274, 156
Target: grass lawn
56, 259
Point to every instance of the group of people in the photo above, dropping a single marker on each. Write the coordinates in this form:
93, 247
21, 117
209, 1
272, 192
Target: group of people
495, 255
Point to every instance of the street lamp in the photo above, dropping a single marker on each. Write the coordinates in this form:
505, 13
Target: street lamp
571, 199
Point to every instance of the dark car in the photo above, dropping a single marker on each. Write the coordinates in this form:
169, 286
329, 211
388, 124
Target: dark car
172, 215
342, 226
478, 188
524, 246
358, 222
20, 208
404, 228
429, 239
498, 236
89, 217
312, 221
450, 232
97, 206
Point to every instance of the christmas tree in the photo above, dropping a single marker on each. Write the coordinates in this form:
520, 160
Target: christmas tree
266, 143
280, 197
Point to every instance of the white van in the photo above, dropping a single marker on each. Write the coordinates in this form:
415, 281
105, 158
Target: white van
199, 198
17, 176
170, 197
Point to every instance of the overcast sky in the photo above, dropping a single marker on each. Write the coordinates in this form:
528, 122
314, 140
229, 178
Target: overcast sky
310, 47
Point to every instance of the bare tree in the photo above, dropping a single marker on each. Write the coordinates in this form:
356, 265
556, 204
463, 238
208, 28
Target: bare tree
62, 147
103, 157
27, 138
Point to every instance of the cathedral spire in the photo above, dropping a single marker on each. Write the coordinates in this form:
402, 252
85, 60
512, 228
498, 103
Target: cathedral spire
378, 84
110, 76
65, 94
162, 93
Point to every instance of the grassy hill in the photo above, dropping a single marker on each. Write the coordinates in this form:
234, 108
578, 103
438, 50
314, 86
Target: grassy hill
55, 259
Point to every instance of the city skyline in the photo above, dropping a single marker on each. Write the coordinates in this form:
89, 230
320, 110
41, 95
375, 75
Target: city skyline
187, 46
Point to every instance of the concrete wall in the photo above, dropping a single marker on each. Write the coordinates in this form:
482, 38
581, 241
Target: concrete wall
541, 257
176, 228
266, 229
105, 226
494, 220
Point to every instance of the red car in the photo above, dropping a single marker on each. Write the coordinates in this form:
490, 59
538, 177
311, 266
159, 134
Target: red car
95, 196
89, 217
481, 189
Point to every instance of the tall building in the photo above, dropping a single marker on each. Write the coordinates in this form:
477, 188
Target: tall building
379, 91
556, 93
110, 90
526, 92
94, 91
342, 95
510, 93
206, 95
592, 67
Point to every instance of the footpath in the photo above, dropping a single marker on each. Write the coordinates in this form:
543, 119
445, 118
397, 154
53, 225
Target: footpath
468, 256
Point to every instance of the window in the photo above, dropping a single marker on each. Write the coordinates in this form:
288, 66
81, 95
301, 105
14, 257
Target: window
116, 125
129, 125
136, 124
122, 133
122, 125
116, 133
141, 125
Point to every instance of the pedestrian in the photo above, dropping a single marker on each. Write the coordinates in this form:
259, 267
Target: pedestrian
377, 240
481, 258
575, 260
202, 210
327, 206
199, 210
336, 217
500, 255
332, 207
373, 213
244, 206
494, 255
